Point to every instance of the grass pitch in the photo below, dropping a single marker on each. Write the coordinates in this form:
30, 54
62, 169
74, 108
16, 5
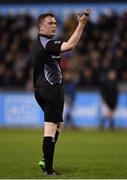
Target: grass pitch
79, 154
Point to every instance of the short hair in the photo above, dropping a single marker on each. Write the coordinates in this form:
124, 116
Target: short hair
43, 16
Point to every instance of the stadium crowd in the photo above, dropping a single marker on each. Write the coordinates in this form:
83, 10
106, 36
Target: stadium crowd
103, 47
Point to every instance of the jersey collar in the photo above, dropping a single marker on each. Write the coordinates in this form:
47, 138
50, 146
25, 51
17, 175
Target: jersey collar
43, 35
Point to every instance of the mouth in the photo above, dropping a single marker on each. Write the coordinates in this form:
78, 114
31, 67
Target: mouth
54, 30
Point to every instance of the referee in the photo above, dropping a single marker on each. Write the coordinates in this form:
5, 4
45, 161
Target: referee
47, 78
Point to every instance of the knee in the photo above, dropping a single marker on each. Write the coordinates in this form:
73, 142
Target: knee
50, 129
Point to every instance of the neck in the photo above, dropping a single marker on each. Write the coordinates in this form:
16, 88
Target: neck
45, 35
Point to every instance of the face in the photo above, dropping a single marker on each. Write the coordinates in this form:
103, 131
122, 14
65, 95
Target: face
48, 26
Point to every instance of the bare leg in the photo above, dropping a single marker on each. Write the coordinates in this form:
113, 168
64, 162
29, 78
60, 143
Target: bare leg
50, 129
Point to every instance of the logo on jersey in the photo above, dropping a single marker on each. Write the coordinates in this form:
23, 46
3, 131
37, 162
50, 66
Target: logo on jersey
55, 57
57, 42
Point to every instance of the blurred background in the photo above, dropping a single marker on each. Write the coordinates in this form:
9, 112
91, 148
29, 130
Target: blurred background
95, 73
94, 143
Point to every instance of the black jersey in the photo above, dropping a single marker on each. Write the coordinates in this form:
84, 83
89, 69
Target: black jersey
46, 61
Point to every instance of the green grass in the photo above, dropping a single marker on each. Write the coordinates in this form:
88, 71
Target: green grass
79, 154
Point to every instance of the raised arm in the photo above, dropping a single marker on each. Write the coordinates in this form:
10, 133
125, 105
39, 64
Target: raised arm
74, 39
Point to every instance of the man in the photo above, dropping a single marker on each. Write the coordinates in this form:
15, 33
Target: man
47, 78
109, 93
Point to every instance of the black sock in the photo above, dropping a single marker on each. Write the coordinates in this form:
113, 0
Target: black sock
56, 136
48, 150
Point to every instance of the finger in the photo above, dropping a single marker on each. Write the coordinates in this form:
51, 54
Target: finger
79, 14
87, 12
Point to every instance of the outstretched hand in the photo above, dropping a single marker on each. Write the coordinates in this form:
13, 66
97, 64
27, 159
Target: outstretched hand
83, 18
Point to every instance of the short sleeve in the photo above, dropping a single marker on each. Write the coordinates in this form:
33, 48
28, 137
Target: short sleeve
53, 46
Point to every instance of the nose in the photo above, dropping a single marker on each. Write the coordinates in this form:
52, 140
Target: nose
54, 24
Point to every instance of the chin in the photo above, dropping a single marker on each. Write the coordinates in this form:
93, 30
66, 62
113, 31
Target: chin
53, 34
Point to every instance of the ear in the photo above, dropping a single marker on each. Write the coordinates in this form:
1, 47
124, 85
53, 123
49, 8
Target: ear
41, 27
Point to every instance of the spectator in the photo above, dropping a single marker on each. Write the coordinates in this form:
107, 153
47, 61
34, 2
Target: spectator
101, 43
109, 93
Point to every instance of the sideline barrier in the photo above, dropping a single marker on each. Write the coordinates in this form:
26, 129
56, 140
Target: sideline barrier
21, 109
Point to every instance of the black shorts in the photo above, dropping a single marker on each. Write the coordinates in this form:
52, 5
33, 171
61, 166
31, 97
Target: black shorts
51, 100
110, 100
